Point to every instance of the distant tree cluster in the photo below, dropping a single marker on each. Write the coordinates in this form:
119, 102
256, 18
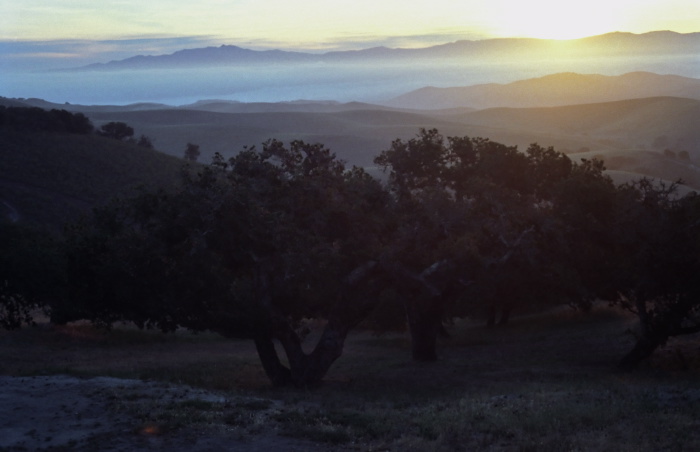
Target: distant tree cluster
192, 152
38, 119
683, 155
250, 246
116, 130
63, 121
121, 131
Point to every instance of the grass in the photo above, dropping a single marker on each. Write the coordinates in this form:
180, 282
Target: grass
545, 383
53, 178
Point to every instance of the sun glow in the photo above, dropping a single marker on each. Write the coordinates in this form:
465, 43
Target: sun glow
554, 19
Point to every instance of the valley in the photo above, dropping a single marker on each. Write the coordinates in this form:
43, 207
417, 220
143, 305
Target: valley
629, 134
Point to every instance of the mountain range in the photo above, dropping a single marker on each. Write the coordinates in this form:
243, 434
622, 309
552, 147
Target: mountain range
611, 44
548, 91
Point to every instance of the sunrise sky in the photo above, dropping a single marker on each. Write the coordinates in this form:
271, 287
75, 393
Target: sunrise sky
59, 33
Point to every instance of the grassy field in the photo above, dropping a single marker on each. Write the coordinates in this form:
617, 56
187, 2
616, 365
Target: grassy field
544, 383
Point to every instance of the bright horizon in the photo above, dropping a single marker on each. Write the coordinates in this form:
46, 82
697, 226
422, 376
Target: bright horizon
85, 30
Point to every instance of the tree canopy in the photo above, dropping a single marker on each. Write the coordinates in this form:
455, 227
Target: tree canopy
252, 245
116, 130
38, 119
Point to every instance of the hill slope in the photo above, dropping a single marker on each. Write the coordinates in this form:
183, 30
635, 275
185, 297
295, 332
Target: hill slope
552, 90
357, 136
656, 123
50, 178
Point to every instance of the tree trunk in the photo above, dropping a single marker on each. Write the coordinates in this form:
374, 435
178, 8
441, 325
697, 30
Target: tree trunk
328, 349
644, 347
505, 316
278, 374
424, 331
308, 370
650, 337
491, 318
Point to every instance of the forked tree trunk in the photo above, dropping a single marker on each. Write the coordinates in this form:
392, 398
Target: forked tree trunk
305, 369
491, 318
649, 340
644, 347
424, 331
278, 374
309, 369
424, 303
316, 364
656, 328
505, 315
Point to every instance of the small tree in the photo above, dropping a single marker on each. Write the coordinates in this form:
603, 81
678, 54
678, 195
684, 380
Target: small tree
116, 130
192, 152
145, 142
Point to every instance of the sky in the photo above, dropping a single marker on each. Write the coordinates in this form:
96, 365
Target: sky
81, 31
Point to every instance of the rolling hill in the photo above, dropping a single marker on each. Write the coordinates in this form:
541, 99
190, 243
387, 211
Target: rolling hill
357, 136
656, 122
552, 90
630, 134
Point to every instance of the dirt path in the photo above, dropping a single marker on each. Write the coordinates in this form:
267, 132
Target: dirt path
68, 413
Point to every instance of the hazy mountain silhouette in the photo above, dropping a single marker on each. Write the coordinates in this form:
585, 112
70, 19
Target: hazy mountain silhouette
214, 105
552, 90
611, 44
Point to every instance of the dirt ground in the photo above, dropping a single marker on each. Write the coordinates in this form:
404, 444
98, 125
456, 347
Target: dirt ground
81, 389
77, 414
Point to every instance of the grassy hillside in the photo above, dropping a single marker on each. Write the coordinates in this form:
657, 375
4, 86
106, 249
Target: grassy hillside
552, 90
651, 123
356, 136
49, 178
626, 165
620, 131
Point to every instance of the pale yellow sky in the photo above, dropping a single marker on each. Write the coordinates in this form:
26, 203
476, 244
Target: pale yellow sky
328, 23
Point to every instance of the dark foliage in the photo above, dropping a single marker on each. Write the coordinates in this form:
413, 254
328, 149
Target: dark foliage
192, 152
38, 119
478, 232
31, 269
145, 142
116, 130
251, 246
247, 247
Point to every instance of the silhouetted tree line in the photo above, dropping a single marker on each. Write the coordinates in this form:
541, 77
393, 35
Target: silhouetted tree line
62, 121
250, 246
38, 119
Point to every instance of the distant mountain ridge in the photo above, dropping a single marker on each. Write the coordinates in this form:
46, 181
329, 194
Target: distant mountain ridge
661, 42
551, 90
210, 105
